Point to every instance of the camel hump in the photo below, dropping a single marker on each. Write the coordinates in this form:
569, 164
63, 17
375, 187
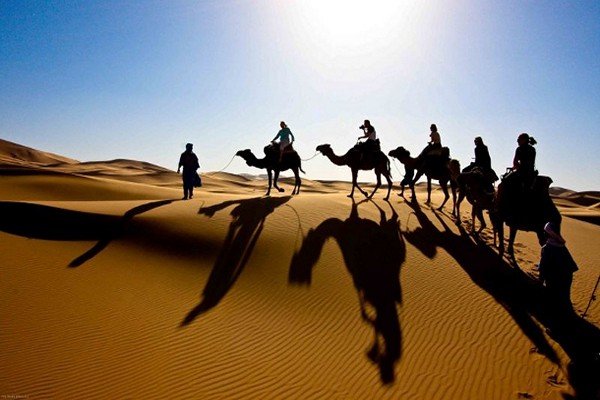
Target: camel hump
445, 152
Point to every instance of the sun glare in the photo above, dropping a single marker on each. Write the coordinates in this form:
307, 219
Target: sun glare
344, 23
352, 32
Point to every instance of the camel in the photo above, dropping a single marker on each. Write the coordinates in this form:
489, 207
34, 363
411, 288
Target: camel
356, 161
433, 167
523, 211
472, 185
290, 160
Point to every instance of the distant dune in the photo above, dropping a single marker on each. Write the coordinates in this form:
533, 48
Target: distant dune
112, 287
16, 154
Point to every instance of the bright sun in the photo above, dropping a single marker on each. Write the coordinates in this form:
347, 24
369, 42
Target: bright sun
352, 23
351, 40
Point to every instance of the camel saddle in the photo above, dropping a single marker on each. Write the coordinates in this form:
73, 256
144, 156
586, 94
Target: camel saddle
368, 146
274, 149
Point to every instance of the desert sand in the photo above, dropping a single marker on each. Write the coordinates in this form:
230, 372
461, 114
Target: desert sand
112, 287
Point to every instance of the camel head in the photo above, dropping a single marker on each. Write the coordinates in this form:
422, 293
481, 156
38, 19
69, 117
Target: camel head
324, 148
454, 167
400, 153
245, 154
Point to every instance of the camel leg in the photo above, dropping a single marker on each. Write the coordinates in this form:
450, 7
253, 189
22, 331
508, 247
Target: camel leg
428, 190
358, 187
498, 226
275, 181
354, 176
461, 197
378, 175
297, 182
481, 219
444, 186
511, 242
453, 188
419, 175
270, 175
390, 184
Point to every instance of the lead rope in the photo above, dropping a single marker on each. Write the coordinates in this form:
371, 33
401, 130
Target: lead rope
592, 298
308, 159
225, 167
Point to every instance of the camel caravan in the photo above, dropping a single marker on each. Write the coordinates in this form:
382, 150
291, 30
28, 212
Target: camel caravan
521, 200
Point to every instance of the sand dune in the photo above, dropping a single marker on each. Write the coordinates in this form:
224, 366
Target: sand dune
15, 153
113, 288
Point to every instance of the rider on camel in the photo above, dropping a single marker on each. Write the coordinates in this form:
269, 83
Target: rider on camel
372, 143
524, 160
284, 138
435, 144
483, 162
482, 155
369, 131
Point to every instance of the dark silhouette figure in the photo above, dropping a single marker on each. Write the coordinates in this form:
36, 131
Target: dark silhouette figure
284, 136
524, 160
248, 221
368, 131
523, 201
434, 146
52, 223
523, 211
373, 254
524, 298
473, 185
289, 160
557, 267
483, 164
434, 167
189, 161
359, 160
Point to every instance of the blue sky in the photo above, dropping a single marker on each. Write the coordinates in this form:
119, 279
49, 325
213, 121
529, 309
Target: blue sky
104, 80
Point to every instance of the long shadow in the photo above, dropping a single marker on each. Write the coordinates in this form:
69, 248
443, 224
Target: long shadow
522, 297
373, 254
51, 223
116, 231
248, 222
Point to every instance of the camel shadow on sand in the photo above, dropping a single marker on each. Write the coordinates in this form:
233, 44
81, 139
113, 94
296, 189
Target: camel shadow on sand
39, 221
244, 230
373, 254
522, 296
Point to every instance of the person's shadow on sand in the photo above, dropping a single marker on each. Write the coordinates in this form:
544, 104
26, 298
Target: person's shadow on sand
373, 254
51, 223
523, 297
248, 222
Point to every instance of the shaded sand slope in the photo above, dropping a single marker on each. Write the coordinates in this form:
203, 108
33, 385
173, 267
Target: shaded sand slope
236, 296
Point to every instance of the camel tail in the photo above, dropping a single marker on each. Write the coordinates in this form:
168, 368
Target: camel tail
389, 167
300, 164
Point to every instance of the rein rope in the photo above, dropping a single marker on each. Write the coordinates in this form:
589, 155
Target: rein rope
225, 167
310, 158
396, 165
592, 298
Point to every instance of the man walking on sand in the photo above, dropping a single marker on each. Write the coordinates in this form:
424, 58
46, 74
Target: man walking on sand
189, 162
